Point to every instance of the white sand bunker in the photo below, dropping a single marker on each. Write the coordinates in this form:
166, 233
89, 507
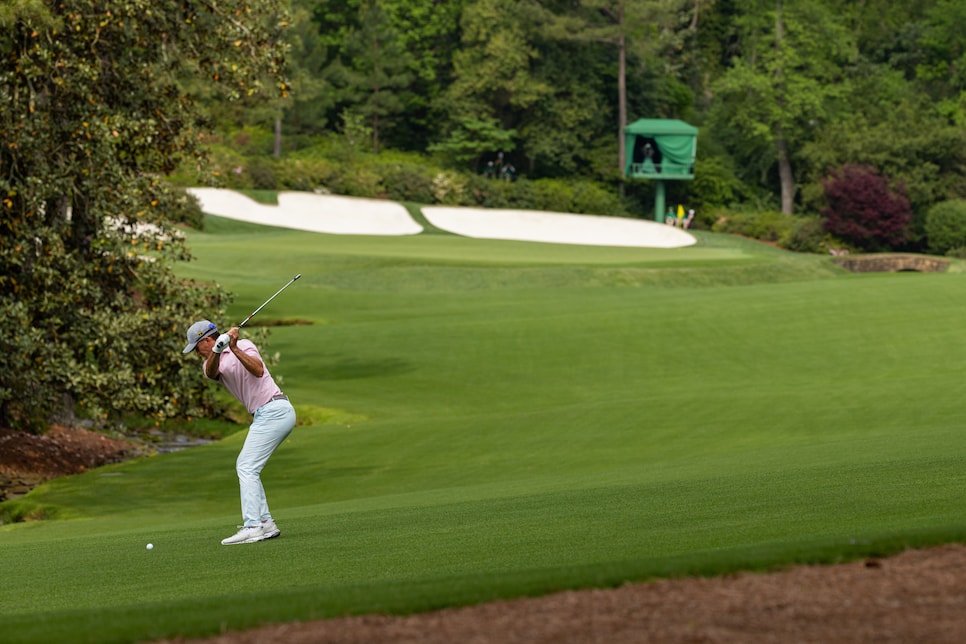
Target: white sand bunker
358, 216
559, 228
312, 212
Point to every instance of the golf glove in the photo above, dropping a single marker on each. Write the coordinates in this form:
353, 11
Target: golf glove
221, 343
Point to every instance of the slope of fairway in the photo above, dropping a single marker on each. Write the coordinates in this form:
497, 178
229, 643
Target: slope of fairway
507, 419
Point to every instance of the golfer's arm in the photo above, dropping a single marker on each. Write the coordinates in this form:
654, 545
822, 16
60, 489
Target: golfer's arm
213, 366
251, 363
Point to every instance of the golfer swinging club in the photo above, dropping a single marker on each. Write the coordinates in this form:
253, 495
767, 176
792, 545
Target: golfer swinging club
240, 368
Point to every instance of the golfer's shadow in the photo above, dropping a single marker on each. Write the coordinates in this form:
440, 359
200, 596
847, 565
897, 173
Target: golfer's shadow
342, 368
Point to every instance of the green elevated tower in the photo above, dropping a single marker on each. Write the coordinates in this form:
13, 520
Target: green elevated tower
662, 150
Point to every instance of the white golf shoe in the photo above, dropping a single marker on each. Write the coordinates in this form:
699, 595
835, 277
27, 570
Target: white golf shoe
246, 535
270, 530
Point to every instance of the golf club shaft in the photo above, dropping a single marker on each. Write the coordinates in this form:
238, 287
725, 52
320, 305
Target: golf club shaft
291, 281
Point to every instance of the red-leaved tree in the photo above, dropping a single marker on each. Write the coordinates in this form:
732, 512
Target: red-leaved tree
863, 210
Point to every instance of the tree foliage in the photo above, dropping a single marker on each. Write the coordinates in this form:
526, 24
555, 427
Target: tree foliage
425, 33
905, 140
785, 81
472, 139
780, 90
92, 116
638, 32
306, 112
376, 71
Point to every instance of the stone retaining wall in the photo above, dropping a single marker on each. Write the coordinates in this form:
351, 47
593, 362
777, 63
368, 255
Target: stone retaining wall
893, 264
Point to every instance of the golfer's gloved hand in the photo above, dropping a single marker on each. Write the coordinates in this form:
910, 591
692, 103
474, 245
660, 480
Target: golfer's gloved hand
221, 343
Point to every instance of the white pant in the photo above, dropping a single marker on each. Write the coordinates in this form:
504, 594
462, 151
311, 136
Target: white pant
272, 424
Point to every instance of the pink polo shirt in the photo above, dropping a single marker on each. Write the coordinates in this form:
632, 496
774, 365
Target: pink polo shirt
250, 391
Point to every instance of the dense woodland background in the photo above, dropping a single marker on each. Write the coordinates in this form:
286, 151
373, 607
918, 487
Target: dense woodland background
787, 95
826, 125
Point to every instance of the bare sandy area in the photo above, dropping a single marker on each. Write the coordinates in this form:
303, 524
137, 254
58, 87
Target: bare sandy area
558, 228
310, 212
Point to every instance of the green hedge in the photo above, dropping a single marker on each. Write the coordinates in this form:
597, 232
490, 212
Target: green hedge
333, 169
767, 226
946, 227
804, 234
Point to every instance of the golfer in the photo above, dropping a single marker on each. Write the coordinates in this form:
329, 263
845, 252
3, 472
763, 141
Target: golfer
240, 368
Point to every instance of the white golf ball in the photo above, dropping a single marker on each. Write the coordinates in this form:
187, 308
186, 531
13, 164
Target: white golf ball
150, 546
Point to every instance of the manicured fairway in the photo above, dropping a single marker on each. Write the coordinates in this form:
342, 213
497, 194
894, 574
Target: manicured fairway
495, 419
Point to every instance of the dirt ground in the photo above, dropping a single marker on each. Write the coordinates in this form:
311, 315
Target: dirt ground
27, 460
917, 596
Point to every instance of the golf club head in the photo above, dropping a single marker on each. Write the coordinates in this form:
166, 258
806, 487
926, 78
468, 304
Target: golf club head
221, 343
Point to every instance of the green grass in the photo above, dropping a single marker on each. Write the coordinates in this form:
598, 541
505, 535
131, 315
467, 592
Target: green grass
267, 197
498, 419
